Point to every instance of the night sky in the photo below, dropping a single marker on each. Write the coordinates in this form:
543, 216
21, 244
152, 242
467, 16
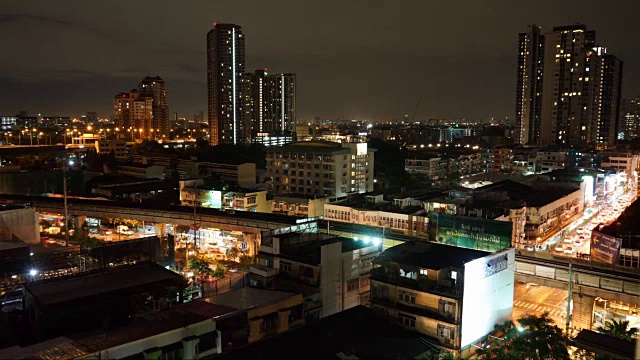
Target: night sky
353, 59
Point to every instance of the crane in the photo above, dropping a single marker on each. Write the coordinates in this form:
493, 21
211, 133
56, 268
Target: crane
413, 117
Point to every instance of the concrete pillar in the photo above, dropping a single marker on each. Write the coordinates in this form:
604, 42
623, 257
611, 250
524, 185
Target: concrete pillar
159, 229
82, 231
582, 312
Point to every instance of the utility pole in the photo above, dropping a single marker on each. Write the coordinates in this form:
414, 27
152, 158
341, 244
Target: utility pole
66, 208
569, 298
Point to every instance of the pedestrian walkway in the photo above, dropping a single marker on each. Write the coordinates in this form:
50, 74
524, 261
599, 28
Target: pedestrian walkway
537, 308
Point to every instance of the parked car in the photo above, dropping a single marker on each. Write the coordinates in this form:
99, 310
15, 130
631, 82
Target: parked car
569, 250
542, 247
559, 248
124, 230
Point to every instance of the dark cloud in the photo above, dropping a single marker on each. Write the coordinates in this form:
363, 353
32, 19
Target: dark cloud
17, 18
363, 59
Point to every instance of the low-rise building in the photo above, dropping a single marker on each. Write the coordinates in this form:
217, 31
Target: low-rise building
454, 296
438, 168
196, 192
116, 147
246, 200
298, 206
502, 158
404, 213
268, 312
549, 205
137, 190
320, 168
332, 272
243, 174
141, 171
71, 304
194, 330
622, 161
356, 333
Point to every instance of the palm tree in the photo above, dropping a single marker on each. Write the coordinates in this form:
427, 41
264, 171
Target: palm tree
536, 338
619, 329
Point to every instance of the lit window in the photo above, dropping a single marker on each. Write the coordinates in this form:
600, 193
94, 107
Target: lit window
423, 272
454, 275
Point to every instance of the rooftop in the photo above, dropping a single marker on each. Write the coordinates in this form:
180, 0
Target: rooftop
152, 323
306, 247
356, 333
604, 344
430, 255
6, 245
315, 147
132, 164
296, 199
59, 290
60, 348
535, 195
248, 298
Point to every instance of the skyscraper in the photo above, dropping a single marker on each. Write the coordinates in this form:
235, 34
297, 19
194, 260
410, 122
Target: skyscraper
225, 80
604, 97
529, 86
133, 113
581, 90
156, 89
630, 118
272, 101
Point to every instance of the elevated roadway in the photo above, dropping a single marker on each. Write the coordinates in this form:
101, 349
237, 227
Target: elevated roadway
247, 222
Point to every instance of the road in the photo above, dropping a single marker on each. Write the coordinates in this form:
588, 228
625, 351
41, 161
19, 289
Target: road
568, 243
530, 299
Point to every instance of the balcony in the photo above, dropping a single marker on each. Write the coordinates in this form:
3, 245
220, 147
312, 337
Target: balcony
262, 270
430, 286
416, 310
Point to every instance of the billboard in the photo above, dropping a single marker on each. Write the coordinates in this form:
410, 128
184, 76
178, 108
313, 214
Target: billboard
605, 248
488, 295
470, 232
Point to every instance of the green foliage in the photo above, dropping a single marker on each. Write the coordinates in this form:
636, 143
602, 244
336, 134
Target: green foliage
232, 253
619, 329
539, 339
148, 146
202, 266
94, 161
389, 163
246, 261
88, 243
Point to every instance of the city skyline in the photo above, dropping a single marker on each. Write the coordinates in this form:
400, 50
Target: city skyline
416, 56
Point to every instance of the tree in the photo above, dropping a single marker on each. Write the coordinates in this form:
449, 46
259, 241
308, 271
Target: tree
536, 338
202, 266
246, 261
233, 253
88, 243
619, 329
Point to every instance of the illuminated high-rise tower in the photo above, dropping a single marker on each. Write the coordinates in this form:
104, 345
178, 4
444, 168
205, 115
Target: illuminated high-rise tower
272, 102
529, 86
228, 123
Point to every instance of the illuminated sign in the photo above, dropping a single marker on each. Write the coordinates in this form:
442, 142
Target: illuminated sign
496, 265
470, 232
605, 248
